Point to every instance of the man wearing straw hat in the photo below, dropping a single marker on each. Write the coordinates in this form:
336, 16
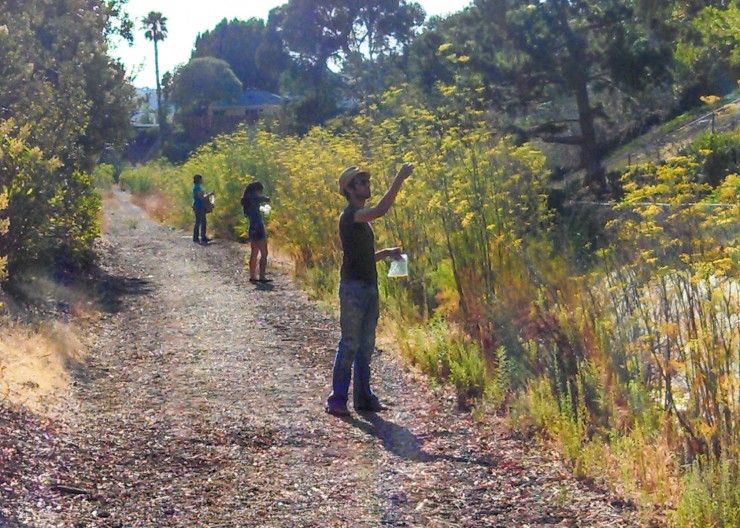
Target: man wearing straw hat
358, 289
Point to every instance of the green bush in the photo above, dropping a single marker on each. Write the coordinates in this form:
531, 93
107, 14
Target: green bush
52, 220
64, 103
142, 179
711, 496
103, 176
719, 155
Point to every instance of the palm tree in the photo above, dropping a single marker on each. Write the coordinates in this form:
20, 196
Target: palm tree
155, 26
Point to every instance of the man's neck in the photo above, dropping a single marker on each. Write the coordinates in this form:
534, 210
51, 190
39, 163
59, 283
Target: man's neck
357, 202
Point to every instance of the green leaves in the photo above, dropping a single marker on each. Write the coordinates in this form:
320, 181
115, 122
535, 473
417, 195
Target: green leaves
63, 101
155, 26
251, 50
203, 81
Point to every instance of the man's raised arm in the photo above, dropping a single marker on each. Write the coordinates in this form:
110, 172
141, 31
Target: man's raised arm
368, 214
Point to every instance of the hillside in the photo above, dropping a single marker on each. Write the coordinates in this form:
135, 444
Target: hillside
668, 138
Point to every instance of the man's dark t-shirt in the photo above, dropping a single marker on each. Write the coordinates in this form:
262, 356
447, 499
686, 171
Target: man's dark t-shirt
358, 245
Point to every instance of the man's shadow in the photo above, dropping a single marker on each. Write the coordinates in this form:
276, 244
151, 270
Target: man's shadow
264, 286
403, 443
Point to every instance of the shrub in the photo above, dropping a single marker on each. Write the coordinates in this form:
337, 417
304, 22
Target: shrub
103, 176
711, 494
50, 218
719, 155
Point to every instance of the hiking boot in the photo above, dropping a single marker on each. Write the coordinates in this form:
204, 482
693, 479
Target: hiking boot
371, 405
336, 408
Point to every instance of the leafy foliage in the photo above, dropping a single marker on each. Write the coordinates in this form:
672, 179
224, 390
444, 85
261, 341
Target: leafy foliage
532, 55
712, 497
363, 38
63, 100
718, 154
250, 49
708, 56
336, 29
49, 219
203, 81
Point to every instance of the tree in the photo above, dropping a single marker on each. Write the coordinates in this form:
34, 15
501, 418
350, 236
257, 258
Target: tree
335, 29
238, 42
381, 33
314, 97
530, 55
272, 57
118, 21
203, 81
313, 31
360, 37
708, 52
195, 86
155, 26
167, 79
63, 101
426, 66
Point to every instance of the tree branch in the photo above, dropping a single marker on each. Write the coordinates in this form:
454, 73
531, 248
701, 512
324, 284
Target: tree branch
563, 140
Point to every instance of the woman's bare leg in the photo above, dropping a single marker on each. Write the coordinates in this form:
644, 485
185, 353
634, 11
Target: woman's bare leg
262, 244
253, 259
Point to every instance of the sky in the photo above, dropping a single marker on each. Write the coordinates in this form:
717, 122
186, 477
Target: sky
187, 18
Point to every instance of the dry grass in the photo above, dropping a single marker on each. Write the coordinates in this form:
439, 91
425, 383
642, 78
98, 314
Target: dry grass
643, 468
155, 204
107, 197
36, 359
35, 363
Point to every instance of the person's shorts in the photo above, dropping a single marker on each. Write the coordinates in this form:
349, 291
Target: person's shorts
257, 232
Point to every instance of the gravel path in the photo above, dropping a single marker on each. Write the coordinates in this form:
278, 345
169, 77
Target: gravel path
202, 405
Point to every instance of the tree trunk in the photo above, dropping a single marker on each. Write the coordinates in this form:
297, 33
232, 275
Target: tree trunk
590, 158
160, 110
577, 74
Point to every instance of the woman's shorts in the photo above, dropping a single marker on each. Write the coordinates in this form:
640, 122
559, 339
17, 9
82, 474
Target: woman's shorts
257, 232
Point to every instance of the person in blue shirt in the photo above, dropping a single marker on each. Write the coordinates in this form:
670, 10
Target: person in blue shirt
251, 201
199, 208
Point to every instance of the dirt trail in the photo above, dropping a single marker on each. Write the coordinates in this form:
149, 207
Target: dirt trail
201, 405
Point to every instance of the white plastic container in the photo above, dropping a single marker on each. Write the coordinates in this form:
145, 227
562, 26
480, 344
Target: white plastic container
399, 267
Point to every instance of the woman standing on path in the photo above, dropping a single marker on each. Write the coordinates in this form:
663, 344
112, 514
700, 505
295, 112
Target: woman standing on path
251, 201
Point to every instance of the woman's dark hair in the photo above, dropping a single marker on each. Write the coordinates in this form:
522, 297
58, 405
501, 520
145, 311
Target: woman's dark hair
255, 186
197, 178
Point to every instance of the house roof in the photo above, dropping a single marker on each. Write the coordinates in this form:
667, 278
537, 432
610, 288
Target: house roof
252, 99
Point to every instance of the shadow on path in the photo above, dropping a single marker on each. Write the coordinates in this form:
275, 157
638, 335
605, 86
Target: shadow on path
8, 523
264, 286
111, 290
404, 444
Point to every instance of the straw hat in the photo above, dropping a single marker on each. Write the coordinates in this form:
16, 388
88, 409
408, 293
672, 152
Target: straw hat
348, 175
